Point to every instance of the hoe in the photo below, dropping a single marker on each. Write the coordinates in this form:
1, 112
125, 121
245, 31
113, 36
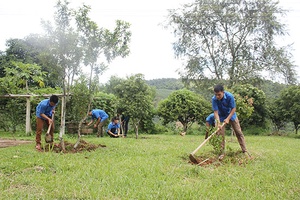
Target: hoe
192, 155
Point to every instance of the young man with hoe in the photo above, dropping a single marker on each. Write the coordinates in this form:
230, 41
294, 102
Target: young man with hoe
44, 111
224, 107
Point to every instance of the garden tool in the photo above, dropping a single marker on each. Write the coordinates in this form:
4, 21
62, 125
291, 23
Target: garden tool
192, 155
48, 137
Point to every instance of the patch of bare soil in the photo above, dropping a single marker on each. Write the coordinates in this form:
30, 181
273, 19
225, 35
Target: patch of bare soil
235, 158
9, 143
69, 147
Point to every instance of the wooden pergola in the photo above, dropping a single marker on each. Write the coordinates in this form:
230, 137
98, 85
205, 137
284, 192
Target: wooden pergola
27, 96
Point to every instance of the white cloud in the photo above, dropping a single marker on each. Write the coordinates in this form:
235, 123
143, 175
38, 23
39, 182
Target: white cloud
151, 46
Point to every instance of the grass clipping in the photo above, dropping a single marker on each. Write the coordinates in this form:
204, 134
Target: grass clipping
69, 147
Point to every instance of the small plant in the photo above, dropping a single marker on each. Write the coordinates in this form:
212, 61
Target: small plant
216, 142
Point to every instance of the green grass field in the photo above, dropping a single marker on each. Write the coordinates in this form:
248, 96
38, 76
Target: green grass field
152, 167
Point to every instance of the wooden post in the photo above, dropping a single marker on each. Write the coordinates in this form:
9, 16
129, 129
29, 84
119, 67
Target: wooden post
62, 117
28, 124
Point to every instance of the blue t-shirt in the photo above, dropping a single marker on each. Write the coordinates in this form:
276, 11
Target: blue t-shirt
44, 107
210, 119
113, 127
96, 113
224, 106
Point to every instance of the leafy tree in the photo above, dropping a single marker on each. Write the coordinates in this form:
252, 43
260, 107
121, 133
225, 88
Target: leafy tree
112, 83
276, 114
107, 102
18, 77
184, 106
78, 100
97, 41
234, 39
289, 105
87, 42
136, 100
244, 107
34, 49
65, 49
258, 100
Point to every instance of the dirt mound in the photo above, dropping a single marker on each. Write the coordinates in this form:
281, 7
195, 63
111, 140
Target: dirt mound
69, 147
236, 158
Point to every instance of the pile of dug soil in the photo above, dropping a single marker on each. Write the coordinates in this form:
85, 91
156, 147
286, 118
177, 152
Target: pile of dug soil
69, 147
235, 158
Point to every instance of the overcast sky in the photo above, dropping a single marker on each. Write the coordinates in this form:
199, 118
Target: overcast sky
151, 45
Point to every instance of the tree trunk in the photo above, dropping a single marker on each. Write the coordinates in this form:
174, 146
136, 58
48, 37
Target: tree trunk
136, 131
185, 127
28, 124
80, 125
89, 107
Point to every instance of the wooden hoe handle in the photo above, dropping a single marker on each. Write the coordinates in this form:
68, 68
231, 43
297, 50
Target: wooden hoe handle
207, 139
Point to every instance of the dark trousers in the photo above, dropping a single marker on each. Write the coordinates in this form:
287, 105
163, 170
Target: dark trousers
113, 130
124, 127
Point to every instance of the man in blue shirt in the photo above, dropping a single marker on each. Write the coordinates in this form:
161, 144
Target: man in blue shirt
224, 107
113, 128
101, 117
44, 111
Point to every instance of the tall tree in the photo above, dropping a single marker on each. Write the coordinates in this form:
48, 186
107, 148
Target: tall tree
276, 114
136, 100
65, 49
98, 42
231, 39
289, 105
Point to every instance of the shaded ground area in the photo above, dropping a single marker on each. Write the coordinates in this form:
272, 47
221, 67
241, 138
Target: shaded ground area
69, 147
236, 158
8, 143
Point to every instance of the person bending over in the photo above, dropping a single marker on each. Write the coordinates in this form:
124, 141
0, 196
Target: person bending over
224, 107
44, 111
100, 116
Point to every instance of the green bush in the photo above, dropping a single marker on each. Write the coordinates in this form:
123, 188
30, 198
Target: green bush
255, 130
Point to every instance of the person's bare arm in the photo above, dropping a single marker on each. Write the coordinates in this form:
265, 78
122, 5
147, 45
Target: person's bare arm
90, 122
97, 122
226, 121
47, 118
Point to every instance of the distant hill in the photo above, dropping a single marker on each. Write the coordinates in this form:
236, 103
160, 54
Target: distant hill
165, 86
166, 83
